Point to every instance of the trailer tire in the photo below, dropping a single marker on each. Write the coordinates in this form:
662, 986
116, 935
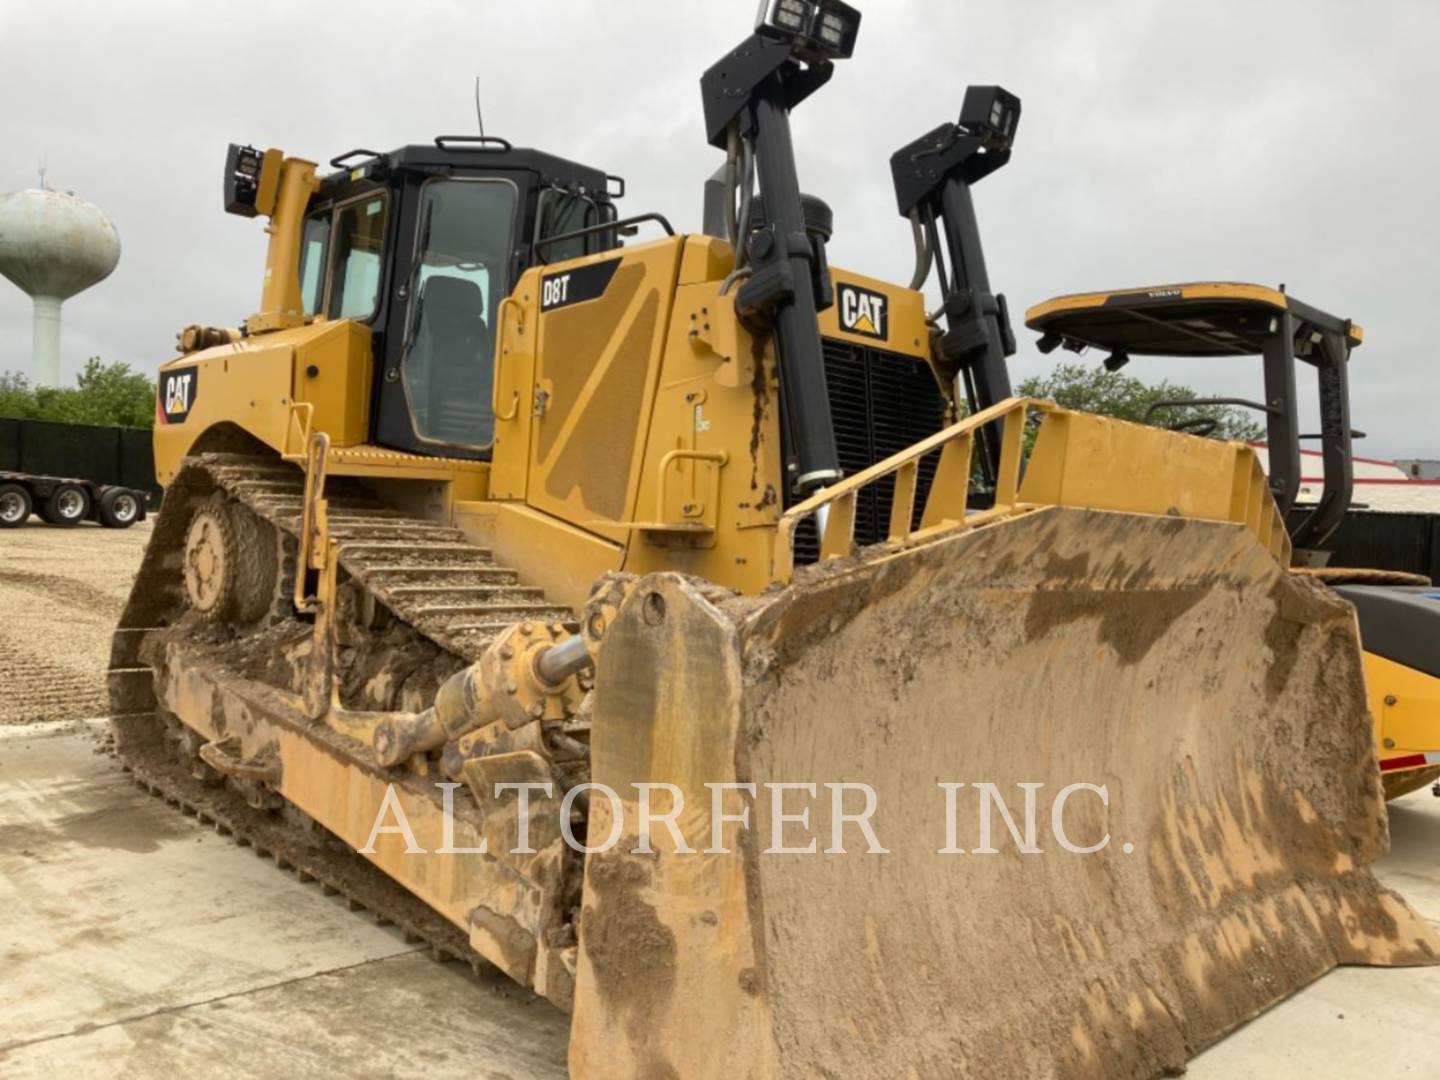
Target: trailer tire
15, 506
67, 505
119, 508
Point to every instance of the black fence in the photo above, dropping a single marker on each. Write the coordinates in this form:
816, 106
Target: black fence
104, 455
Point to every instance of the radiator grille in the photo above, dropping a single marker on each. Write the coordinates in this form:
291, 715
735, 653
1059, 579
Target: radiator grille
881, 403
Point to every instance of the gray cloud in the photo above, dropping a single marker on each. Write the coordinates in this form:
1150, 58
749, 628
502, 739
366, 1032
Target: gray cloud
1279, 141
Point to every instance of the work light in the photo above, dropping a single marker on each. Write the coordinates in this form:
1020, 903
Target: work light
832, 30
243, 168
790, 17
992, 113
820, 29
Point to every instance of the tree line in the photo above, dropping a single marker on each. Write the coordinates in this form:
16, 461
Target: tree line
1091, 388
111, 394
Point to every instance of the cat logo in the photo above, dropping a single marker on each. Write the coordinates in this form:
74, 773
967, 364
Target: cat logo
177, 395
864, 312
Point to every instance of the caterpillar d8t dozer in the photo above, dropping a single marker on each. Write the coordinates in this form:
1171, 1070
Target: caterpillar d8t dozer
694, 633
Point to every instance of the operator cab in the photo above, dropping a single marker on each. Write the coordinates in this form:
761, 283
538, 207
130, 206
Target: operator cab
422, 245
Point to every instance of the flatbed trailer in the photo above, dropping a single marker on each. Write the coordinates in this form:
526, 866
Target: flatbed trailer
67, 501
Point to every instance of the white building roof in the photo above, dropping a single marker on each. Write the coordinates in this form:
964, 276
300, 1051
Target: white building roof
1380, 486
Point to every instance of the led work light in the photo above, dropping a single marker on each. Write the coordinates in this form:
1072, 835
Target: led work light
823, 29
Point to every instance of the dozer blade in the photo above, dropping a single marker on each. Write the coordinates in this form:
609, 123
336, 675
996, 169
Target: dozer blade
1217, 700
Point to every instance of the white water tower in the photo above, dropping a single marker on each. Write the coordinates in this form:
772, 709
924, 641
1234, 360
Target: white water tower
53, 245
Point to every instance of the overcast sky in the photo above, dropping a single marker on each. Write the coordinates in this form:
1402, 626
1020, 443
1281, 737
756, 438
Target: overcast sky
1256, 140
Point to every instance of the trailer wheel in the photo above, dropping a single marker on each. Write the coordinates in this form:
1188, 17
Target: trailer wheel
15, 506
119, 508
68, 504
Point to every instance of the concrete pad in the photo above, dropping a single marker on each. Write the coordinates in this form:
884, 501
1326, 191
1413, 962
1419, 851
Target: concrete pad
134, 941
405, 1016
1358, 1023
1413, 865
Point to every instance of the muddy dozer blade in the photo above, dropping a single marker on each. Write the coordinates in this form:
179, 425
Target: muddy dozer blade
1218, 702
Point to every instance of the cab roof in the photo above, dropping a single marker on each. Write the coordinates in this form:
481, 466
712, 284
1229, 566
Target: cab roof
492, 154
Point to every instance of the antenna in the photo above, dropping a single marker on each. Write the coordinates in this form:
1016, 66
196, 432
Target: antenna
42, 170
480, 116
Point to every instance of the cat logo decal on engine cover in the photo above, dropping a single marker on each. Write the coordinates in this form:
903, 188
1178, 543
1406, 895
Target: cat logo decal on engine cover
178, 390
576, 286
864, 312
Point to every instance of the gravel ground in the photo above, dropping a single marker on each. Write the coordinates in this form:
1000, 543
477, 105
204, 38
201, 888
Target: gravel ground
61, 591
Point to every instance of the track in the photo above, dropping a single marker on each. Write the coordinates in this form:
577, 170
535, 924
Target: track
305, 849
428, 575
425, 575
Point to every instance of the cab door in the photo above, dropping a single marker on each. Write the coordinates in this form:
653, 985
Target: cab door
451, 272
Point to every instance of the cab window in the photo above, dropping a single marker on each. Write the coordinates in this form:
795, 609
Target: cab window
358, 243
313, 244
562, 212
459, 277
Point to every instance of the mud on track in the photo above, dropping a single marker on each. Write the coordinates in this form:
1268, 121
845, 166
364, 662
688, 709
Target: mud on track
61, 591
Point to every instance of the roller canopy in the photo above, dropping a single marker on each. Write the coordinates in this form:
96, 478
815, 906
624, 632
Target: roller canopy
1202, 319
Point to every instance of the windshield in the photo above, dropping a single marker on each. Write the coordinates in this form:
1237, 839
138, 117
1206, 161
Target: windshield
460, 276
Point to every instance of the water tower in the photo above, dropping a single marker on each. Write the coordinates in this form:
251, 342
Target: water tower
53, 245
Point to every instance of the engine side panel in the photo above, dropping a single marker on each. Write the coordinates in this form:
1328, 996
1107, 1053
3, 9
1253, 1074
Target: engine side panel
274, 386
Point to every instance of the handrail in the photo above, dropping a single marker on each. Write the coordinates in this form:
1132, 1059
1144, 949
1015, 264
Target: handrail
314, 553
604, 226
478, 143
719, 457
945, 505
495, 373
339, 162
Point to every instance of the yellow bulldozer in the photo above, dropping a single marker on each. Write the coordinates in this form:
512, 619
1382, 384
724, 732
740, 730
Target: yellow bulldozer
706, 637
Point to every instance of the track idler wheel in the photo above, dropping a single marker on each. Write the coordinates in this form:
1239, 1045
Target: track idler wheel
230, 563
